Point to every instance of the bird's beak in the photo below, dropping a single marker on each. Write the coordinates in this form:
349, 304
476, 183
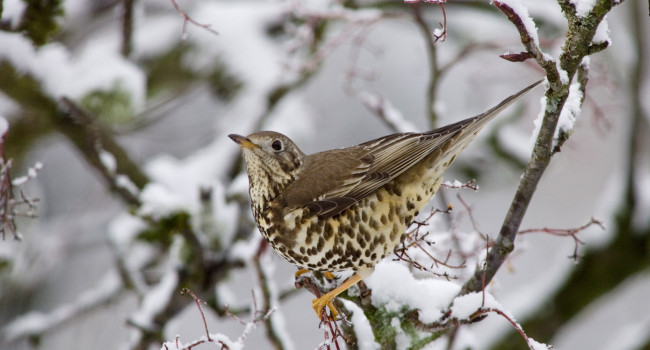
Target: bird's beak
242, 141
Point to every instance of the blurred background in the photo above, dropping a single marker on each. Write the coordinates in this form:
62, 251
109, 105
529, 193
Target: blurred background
118, 113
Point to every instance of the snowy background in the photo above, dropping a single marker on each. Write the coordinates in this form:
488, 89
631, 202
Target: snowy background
171, 101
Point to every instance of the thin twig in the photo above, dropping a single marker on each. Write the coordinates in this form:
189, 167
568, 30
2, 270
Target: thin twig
198, 305
572, 232
188, 19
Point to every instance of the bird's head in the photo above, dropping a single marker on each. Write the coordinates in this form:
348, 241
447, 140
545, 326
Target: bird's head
272, 161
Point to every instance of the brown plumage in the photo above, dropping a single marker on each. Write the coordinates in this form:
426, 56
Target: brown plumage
348, 208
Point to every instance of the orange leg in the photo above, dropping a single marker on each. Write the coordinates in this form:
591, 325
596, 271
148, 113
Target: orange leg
326, 299
327, 275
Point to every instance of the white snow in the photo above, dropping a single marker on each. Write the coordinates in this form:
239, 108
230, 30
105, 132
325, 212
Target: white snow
74, 74
535, 345
395, 287
402, 341
158, 201
568, 115
216, 338
123, 181
362, 328
583, 7
32, 172
108, 161
602, 33
564, 76
123, 229
570, 111
12, 12
528, 22
466, 305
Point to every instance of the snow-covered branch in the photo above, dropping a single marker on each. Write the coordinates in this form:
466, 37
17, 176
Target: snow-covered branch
579, 38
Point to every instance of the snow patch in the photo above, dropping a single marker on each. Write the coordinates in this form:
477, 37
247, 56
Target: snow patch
522, 12
602, 33
395, 287
583, 7
362, 328
466, 305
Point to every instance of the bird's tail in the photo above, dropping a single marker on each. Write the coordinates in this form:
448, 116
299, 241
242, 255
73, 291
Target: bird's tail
468, 128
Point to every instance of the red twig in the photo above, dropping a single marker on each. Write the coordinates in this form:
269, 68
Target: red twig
187, 18
471, 184
516, 325
572, 232
198, 305
442, 36
471, 217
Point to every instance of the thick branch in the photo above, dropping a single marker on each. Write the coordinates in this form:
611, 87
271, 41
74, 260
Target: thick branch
579, 39
127, 27
81, 129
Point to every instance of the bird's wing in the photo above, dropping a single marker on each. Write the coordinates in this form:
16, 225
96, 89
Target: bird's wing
335, 180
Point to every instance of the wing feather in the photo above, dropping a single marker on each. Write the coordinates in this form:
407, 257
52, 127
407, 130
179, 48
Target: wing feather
335, 180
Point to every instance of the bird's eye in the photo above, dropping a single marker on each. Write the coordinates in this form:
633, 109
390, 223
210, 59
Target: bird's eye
277, 145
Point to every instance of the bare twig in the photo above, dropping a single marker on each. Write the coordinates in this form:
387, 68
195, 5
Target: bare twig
471, 184
532, 344
471, 218
188, 19
573, 233
198, 305
10, 206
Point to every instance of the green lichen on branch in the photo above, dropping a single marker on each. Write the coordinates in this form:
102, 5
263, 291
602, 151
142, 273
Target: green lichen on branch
113, 107
40, 20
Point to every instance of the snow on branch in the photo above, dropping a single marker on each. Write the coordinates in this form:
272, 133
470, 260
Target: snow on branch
559, 73
518, 15
217, 338
11, 206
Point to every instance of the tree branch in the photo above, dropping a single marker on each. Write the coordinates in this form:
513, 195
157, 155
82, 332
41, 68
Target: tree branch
579, 37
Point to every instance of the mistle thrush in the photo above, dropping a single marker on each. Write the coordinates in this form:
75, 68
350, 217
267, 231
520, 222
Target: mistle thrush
348, 208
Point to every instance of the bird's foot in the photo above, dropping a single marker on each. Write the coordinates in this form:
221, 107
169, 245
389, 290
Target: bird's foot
320, 303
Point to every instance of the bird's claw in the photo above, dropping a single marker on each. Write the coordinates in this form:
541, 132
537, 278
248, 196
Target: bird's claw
320, 303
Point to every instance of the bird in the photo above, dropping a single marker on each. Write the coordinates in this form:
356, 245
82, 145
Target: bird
348, 208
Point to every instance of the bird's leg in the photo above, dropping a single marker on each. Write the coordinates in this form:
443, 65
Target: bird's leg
327, 275
326, 299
